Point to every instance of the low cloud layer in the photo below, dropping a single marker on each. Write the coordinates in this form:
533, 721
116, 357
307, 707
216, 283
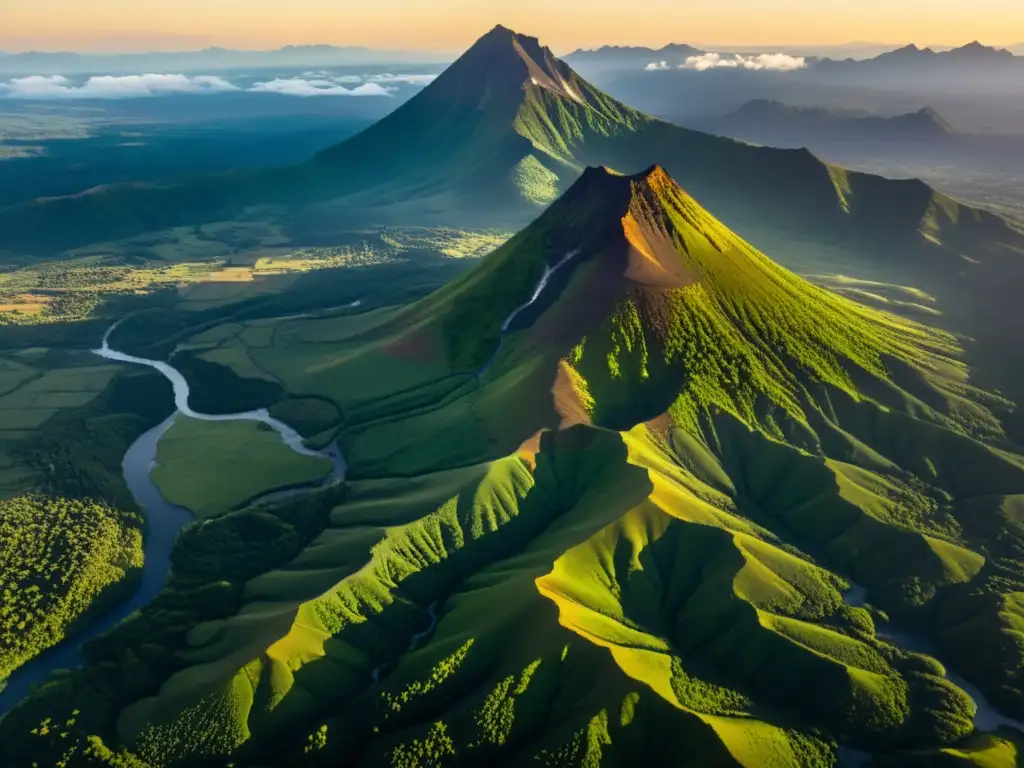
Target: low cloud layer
314, 83
111, 87
656, 66
297, 86
407, 79
769, 62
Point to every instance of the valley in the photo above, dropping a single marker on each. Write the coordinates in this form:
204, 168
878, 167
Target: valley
708, 464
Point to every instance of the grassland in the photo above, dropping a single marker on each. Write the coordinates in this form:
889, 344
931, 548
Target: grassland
212, 467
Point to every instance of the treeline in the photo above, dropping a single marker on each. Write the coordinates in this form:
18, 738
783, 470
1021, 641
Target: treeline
73, 716
58, 555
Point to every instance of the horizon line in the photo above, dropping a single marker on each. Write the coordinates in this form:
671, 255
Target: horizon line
709, 47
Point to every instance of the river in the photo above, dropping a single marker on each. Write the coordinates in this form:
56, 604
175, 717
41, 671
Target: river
163, 520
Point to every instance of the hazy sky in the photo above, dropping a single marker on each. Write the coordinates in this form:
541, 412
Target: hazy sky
451, 24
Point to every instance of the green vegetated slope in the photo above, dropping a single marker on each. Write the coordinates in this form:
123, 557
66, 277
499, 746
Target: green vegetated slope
616, 532
496, 137
212, 467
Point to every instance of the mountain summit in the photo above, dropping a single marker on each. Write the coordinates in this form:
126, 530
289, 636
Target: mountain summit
658, 308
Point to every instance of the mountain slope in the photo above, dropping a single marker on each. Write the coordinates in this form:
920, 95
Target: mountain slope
612, 495
763, 120
498, 135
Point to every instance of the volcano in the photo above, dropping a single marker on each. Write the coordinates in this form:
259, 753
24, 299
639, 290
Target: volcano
626, 493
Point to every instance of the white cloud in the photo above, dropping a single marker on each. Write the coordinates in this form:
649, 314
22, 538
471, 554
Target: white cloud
775, 62
387, 77
296, 86
315, 83
654, 66
111, 87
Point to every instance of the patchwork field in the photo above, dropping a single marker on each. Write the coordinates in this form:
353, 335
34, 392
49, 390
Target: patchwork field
210, 267
36, 384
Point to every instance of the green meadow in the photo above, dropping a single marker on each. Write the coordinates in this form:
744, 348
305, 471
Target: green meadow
212, 467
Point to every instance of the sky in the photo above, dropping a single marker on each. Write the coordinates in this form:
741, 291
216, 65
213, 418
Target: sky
451, 25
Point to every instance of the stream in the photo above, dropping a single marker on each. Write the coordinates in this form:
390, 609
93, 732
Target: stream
537, 291
163, 521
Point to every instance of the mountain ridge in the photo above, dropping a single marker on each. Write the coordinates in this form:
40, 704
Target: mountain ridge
757, 119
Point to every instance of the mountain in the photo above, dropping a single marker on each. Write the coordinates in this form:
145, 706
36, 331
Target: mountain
912, 55
497, 136
626, 493
974, 64
66, 62
618, 56
772, 122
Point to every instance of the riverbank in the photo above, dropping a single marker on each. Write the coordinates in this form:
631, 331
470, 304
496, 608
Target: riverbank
163, 522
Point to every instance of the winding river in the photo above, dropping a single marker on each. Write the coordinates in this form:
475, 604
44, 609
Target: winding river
163, 519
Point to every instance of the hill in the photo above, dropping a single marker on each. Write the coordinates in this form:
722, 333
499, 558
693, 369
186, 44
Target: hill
773, 122
626, 493
924, 123
499, 135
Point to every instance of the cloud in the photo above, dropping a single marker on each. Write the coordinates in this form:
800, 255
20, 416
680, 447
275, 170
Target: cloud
654, 66
387, 77
313, 83
111, 87
774, 62
296, 86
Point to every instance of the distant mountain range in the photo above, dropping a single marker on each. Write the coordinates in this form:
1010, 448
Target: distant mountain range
615, 56
62, 63
773, 122
925, 65
909, 60
493, 140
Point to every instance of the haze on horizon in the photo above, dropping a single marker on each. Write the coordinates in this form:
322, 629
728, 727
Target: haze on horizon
449, 25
